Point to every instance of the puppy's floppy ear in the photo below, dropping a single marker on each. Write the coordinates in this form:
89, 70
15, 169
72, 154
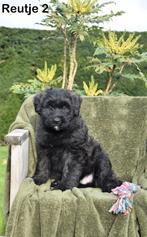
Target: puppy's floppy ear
37, 102
76, 102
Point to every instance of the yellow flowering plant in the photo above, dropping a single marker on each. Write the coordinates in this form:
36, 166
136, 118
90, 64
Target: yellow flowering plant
92, 88
120, 46
114, 55
82, 6
46, 75
44, 78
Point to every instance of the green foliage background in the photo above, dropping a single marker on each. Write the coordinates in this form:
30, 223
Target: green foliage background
22, 51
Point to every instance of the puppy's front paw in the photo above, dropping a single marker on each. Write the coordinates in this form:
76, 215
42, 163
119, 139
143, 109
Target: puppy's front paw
39, 179
55, 185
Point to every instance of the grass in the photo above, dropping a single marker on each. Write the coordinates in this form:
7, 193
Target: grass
3, 157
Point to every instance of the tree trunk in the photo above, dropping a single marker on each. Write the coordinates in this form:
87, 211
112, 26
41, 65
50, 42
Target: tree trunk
110, 80
73, 62
64, 80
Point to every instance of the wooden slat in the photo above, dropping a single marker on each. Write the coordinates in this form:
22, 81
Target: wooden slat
16, 137
19, 167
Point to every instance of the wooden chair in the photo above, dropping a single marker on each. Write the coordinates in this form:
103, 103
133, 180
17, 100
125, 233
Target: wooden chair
18, 140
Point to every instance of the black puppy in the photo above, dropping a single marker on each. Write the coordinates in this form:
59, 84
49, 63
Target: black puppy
66, 153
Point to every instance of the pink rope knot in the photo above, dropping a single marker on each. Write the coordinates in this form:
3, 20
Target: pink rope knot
125, 194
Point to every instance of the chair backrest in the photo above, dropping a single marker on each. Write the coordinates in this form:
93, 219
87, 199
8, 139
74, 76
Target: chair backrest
120, 125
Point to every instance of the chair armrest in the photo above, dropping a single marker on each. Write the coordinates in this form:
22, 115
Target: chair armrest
18, 139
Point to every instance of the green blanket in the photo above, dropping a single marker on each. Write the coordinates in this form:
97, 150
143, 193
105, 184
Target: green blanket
120, 124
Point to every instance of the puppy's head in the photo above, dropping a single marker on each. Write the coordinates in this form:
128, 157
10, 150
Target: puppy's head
57, 108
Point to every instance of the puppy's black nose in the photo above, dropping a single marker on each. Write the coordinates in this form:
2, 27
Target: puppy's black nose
57, 120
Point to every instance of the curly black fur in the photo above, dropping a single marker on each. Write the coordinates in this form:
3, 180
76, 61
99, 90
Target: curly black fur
65, 151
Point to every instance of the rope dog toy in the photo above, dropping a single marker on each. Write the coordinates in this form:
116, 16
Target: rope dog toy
125, 194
